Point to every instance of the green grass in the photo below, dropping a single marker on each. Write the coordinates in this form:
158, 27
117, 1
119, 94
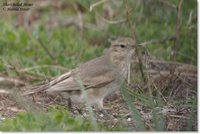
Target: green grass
56, 119
153, 20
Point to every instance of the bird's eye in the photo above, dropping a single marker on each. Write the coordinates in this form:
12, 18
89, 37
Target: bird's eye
122, 46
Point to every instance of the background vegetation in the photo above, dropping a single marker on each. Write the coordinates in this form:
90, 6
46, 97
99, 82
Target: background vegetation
56, 36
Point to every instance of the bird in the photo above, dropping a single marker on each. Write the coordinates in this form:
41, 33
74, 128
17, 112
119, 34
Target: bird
100, 77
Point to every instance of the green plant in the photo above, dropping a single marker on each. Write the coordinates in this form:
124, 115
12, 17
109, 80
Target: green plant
56, 119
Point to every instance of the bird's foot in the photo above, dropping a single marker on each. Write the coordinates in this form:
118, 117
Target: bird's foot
105, 111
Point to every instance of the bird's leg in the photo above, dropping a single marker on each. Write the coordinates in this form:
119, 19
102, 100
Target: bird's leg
69, 103
102, 109
100, 104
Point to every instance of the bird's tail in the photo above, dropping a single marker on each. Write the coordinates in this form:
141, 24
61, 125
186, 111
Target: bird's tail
44, 87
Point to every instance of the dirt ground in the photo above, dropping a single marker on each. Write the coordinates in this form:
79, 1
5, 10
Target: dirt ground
117, 113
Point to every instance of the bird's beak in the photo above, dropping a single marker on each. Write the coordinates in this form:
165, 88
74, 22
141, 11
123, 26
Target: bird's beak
136, 45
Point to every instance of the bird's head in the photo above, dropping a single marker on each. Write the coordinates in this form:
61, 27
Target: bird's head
122, 48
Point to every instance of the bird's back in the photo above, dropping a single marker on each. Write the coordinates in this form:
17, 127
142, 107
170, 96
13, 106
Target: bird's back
94, 73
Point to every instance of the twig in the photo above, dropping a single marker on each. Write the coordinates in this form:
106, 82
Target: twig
46, 49
3, 91
168, 3
42, 66
132, 26
10, 81
96, 4
111, 21
129, 73
178, 25
158, 41
128, 13
165, 73
192, 67
178, 116
80, 18
24, 74
190, 18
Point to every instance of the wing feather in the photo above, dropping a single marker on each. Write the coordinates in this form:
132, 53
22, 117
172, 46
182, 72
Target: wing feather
94, 74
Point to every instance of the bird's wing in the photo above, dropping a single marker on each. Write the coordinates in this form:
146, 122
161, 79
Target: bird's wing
71, 83
93, 74
99, 81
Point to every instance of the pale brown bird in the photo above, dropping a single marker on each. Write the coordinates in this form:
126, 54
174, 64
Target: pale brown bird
100, 76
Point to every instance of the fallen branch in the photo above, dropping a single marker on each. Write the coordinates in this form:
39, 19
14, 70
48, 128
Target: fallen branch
166, 65
3, 91
96, 4
158, 41
11, 82
42, 66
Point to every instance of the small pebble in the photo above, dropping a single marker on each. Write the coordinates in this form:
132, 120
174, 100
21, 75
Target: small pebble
76, 112
101, 115
84, 114
1, 118
129, 119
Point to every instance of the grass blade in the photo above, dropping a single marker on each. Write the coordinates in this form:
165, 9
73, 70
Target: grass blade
85, 96
136, 115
